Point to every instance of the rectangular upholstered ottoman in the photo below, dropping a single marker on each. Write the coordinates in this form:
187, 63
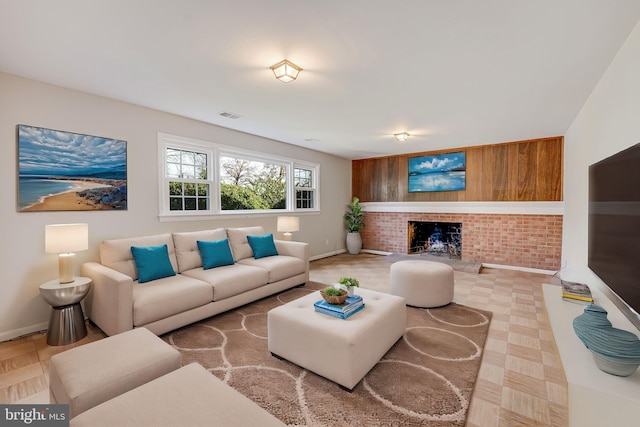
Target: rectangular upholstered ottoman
190, 396
320, 343
86, 376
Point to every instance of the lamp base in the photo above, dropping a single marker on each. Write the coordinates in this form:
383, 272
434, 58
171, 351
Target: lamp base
65, 267
287, 236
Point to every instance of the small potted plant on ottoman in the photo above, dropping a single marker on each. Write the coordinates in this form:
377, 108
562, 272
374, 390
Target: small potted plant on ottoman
349, 283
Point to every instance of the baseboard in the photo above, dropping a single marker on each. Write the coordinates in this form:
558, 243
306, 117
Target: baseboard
327, 254
341, 251
371, 251
27, 330
527, 269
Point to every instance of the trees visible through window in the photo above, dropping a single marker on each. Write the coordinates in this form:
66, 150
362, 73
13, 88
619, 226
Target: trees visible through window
189, 187
252, 185
203, 178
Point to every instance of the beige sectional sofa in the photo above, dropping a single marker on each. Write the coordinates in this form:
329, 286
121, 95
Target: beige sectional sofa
118, 302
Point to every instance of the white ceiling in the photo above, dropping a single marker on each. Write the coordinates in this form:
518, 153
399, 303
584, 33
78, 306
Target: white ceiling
452, 73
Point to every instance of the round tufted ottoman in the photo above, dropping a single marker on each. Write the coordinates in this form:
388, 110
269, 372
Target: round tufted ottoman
422, 283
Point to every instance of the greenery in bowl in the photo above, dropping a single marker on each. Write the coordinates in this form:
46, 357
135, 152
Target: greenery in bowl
349, 282
333, 292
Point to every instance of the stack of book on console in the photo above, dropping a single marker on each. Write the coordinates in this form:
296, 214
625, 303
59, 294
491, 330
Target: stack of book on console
351, 306
576, 292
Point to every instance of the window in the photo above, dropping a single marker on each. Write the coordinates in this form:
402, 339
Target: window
304, 184
188, 179
249, 184
203, 178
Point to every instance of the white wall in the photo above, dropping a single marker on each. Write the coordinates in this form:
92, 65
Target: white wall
608, 123
25, 265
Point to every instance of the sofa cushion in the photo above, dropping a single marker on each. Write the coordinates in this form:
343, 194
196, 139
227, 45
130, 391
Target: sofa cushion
262, 246
187, 252
116, 253
216, 253
165, 297
239, 243
152, 262
231, 280
279, 267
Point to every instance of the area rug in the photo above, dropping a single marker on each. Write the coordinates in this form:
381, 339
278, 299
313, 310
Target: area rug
425, 379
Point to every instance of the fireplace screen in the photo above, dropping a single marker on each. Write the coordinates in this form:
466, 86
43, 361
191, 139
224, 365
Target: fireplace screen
436, 238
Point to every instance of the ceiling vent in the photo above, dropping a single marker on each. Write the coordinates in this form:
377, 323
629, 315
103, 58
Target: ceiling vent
230, 115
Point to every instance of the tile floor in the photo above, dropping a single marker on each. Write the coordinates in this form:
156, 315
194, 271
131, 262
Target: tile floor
521, 381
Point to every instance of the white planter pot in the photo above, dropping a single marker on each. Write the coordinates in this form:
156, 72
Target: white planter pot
350, 289
354, 243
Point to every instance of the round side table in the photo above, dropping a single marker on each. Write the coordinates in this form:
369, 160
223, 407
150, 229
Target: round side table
66, 321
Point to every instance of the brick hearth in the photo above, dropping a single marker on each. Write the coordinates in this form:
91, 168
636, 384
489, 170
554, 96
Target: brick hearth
532, 241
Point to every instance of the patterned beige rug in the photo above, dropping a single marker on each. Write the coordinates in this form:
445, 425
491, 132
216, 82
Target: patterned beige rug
426, 379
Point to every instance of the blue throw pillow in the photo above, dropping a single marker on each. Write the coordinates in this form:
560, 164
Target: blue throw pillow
215, 253
152, 262
262, 246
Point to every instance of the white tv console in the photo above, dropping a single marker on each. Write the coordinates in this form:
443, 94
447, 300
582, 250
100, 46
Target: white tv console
595, 397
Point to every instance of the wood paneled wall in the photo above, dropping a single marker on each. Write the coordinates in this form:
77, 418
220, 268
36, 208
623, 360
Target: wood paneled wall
515, 171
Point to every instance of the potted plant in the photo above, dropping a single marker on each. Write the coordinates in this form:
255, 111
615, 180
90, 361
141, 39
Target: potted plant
333, 295
355, 221
349, 283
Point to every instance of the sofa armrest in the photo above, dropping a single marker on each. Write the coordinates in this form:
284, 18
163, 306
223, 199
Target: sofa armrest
110, 305
295, 249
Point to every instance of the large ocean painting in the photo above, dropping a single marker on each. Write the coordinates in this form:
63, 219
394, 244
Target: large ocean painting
65, 171
439, 172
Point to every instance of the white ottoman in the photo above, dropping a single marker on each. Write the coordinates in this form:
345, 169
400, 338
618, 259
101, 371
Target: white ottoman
422, 283
340, 350
89, 375
189, 396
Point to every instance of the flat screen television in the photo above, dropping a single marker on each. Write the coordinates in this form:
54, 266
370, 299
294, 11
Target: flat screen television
614, 227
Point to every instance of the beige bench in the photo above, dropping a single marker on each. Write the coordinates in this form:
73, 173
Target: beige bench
89, 375
340, 350
190, 396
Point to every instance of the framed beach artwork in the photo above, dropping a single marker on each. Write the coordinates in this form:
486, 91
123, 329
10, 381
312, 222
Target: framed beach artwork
66, 171
438, 172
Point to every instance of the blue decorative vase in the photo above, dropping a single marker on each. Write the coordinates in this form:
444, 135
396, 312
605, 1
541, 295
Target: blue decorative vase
614, 350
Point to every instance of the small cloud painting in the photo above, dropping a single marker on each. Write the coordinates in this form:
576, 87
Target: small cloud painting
439, 172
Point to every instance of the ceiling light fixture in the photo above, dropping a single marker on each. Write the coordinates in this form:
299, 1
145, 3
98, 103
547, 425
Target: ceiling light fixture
285, 71
403, 136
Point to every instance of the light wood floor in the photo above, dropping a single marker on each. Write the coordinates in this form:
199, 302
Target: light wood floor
521, 381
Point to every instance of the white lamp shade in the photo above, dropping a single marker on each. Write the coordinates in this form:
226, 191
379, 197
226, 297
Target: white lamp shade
63, 238
287, 224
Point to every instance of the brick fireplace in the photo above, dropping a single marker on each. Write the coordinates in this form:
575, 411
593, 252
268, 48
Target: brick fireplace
521, 240
435, 238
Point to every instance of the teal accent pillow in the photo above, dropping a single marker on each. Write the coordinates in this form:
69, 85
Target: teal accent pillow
152, 262
262, 246
215, 253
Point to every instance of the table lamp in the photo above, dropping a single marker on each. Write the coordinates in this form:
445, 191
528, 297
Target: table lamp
288, 224
65, 239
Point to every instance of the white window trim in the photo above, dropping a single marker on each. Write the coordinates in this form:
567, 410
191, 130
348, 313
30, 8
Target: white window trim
214, 151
